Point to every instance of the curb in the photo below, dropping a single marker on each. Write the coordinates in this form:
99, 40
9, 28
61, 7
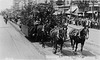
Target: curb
16, 27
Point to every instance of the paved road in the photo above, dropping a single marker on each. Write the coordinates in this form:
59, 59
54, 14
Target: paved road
91, 49
15, 46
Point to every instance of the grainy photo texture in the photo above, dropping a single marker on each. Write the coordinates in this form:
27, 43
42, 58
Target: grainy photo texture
50, 29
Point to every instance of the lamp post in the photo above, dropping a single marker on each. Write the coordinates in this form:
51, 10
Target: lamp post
64, 6
99, 14
70, 9
92, 9
45, 1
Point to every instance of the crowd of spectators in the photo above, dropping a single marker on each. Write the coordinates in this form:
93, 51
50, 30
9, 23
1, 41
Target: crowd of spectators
91, 23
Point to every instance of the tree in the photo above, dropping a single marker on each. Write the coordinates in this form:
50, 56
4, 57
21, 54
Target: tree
41, 12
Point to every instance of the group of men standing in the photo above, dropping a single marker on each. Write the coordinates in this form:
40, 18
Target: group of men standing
91, 23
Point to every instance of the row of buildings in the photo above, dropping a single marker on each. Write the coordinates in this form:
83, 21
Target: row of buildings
64, 6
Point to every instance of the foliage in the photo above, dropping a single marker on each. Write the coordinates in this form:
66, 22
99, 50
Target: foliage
30, 13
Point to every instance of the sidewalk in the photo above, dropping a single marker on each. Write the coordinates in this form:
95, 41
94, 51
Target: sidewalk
14, 45
37, 46
16, 27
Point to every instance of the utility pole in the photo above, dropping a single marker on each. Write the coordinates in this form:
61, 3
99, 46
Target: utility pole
99, 14
64, 6
92, 9
63, 13
45, 1
70, 9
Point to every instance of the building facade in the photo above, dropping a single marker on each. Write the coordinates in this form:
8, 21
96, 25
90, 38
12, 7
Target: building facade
18, 3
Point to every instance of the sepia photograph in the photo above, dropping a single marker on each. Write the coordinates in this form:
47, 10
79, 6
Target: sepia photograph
49, 29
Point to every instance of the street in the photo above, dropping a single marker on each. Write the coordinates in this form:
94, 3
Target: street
93, 43
91, 47
50, 30
15, 46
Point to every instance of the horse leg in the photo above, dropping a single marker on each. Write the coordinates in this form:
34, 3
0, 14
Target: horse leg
43, 43
76, 47
6, 21
72, 44
61, 46
55, 46
52, 42
82, 44
40, 40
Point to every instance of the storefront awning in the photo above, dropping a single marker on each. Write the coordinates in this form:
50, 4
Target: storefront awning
56, 13
91, 11
73, 9
80, 15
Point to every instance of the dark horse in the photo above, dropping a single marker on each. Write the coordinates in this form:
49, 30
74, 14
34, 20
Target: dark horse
42, 35
57, 38
78, 36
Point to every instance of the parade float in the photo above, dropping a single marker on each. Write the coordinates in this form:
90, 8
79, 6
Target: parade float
32, 15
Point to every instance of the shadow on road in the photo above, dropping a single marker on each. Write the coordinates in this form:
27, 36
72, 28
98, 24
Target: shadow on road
67, 50
87, 53
71, 53
67, 44
48, 44
32, 39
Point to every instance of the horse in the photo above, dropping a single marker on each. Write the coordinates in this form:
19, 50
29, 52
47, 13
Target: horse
78, 36
72, 36
39, 32
42, 35
57, 38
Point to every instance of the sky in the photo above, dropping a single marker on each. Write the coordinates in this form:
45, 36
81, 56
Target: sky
5, 4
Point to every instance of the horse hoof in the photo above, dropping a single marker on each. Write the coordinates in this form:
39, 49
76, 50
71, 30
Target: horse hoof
73, 49
43, 46
81, 50
55, 52
75, 53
